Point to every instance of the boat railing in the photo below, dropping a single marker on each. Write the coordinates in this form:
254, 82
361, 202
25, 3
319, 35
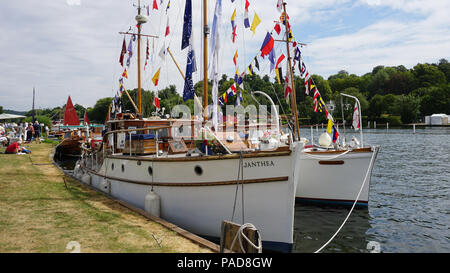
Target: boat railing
360, 116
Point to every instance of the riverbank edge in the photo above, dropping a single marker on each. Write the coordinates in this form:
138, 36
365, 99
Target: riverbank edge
182, 232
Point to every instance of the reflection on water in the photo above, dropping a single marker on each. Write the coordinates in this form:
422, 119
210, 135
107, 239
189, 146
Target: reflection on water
67, 163
409, 199
315, 225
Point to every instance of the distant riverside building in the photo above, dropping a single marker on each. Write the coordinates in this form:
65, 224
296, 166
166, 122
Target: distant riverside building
437, 119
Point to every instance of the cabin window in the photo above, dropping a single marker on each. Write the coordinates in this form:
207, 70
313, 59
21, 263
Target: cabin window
150, 170
112, 167
123, 167
198, 170
139, 163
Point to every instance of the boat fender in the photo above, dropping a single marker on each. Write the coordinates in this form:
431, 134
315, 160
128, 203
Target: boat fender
325, 140
104, 186
86, 178
76, 171
153, 204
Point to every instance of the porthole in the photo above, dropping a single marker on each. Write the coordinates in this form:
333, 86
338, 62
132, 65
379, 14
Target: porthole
123, 168
139, 163
112, 167
150, 170
198, 170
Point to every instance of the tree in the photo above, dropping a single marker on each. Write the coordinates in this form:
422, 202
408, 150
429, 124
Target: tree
428, 75
408, 108
444, 66
99, 112
436, 100
1, 110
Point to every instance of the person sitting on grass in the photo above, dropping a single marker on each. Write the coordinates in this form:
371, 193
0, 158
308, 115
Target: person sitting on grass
4, 140
15, 148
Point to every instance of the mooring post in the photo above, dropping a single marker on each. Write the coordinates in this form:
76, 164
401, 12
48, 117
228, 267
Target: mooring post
414, 128
368, 124
312, 135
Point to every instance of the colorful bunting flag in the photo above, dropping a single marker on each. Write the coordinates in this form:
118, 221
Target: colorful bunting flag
250, 70
330, 126
233, 89
280, 59
168, 6
335, 134
277, 28
247, 4
156, 102
167, 27
272, 60
155, 78
123, 52
155, 5
256, 21
130, 52
280, 5
287, 89
124, 74
256, 62
235, 58
246, 20
267, 45
355, 122
239, 99
147, 54
279, 74
233, 18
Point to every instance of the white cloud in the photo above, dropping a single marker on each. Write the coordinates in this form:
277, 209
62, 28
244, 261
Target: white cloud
63, 50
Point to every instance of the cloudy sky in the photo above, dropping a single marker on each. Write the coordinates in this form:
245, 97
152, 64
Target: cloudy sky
72, 47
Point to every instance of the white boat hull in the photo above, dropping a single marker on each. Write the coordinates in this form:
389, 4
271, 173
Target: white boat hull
337, 180
199, 203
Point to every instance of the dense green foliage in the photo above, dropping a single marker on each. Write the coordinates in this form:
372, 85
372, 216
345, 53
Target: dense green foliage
387, 94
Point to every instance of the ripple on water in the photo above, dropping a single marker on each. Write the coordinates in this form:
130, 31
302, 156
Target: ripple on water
409, 199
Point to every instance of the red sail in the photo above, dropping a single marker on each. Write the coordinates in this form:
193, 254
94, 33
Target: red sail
70, 115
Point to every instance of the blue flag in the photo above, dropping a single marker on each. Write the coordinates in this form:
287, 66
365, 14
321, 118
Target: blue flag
272, 60
187, 25
246, 21
188, 92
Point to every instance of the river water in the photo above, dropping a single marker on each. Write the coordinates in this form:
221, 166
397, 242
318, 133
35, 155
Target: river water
409, 201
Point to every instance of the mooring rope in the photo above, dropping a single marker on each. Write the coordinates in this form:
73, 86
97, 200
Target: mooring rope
353, 206
240, 234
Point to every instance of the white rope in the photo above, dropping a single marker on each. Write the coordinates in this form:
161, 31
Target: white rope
354, 203
240, 234
325, 157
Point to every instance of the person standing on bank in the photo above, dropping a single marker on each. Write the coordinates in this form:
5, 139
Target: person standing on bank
30, 132
37, 132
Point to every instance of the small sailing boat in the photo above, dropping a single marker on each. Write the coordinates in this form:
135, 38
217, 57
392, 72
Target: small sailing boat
71, 136
337, 174
73, 133
152, 164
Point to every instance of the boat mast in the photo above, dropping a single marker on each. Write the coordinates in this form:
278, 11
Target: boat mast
32, 111
293, 97
205, 61
139, 62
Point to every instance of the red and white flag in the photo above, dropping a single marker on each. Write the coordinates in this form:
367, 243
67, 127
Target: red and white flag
355, 122
280, 5
167, 26
156, 103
